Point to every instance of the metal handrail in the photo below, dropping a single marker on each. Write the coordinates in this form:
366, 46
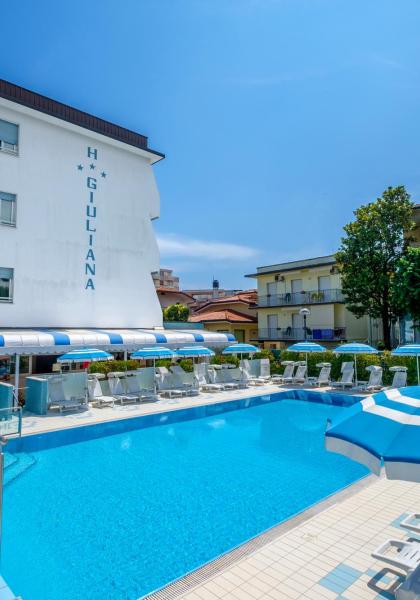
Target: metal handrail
313, 333
306, 297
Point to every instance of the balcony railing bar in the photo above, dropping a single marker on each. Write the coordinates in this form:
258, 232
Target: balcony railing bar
297, 298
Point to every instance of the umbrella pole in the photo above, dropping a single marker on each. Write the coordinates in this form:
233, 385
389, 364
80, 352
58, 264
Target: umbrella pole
355, 369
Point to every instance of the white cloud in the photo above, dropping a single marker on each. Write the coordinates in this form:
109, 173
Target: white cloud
173, 245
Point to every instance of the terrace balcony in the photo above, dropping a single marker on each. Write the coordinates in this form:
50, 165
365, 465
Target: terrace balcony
300, 298
297, 334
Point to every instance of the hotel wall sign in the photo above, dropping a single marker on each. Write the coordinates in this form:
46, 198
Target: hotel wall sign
91, 184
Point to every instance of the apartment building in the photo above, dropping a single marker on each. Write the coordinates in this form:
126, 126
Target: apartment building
315, 284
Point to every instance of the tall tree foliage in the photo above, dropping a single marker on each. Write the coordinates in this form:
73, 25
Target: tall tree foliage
406, 284
369, 253
176, 312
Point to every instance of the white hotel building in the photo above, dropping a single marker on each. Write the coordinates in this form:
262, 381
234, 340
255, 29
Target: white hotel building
77, 246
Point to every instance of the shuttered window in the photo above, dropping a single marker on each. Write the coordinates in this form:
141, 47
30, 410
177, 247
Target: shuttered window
9, 134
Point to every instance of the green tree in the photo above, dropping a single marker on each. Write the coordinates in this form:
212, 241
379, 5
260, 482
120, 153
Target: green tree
369, 254
176, 312
406, 284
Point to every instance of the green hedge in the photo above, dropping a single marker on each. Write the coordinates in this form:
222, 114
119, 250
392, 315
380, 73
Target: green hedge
108, 366
385, 360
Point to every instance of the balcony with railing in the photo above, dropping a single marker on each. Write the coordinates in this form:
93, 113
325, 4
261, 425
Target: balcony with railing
299, 298
313, 334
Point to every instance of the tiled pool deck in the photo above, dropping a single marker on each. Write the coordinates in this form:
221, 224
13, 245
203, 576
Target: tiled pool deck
326, 557
324, 553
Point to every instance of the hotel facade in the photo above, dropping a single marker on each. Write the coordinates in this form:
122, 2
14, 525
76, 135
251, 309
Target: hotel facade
77, 248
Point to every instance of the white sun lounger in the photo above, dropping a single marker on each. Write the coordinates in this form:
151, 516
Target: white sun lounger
323, 376
134, 390
166, 384
300, 375
375, 379
347, 375
117, 390
412, 522
180, 375
400, 554
400, 377
57, 396
95, 392
287, 377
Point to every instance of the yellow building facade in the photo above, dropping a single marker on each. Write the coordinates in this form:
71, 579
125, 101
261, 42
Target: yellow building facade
313, 284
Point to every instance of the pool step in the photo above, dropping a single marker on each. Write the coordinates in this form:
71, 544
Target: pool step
16, 464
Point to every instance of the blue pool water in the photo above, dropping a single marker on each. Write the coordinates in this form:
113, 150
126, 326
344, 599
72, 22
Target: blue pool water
116, 511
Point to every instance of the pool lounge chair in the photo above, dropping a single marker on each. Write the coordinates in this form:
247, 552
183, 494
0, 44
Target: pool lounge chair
217, 375
400, 554
181, 376
374, 383
95, 392
287, 377
248, 378
347, 376
166, 384
117, 391
133, 388
203, 384
324, 376
301, 372
57, 396
400, 377
412, 523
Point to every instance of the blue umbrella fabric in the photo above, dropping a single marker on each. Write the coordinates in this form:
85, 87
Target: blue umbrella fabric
382, 430
306, 347
240, 349
85, 355
194, 352
153, 353
409, 350
355, 348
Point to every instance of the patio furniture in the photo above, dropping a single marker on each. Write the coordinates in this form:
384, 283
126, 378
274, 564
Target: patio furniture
412, 522
58, 399
204, 385
117, 391
250, 379
400, 554
287, 374
95, 391
166, 384
375, 379
181, 376
410, 588
217, 375
347, 375
400, 377
301, 371
133, 388
323, 375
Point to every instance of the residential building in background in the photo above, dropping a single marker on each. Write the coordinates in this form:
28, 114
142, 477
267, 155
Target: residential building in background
235, 314
165, 278
315, 283
204, 295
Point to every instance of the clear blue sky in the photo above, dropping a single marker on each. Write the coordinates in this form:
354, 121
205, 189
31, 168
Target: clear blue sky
278, 117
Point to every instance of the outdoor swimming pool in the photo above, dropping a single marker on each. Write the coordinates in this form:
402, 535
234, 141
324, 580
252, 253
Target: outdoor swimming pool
120, 509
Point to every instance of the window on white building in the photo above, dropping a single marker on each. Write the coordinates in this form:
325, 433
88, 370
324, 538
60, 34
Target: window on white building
9, 134
7, 208
6, 284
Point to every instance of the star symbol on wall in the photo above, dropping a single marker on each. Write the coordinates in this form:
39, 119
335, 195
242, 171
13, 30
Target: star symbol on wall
80, 167
103, 174
92, 166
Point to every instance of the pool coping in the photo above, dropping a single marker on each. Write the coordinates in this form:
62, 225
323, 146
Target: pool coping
186, 583
162, 408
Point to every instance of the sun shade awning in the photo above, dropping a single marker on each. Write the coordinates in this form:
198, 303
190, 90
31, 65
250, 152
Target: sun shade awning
58, 341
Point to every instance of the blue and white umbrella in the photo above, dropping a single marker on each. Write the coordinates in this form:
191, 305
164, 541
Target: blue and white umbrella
153, 353
382, 430
240, 349
85, 355
355, 348
409, 350
306, 347
194, 352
